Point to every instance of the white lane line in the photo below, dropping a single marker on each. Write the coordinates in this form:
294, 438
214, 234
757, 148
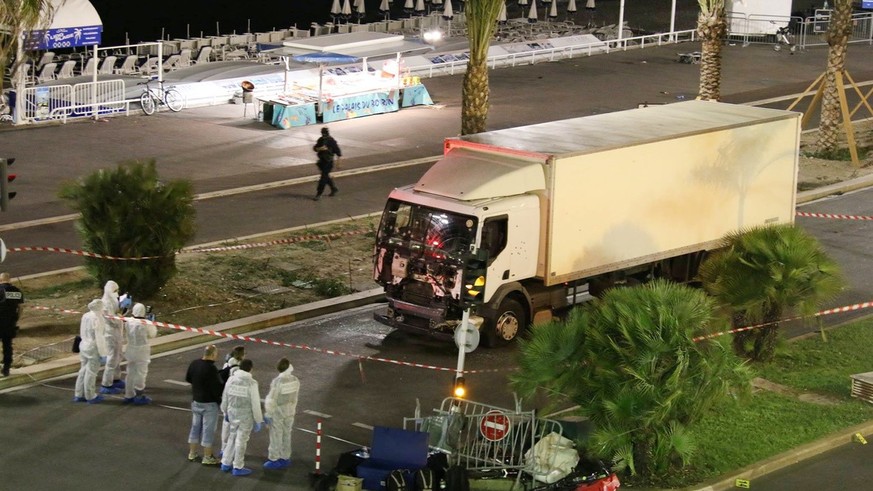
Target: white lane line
185, 409
177, 382
325, 435
362, 425
316, 413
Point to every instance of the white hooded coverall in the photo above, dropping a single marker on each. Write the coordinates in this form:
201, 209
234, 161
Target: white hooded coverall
89, 356
138, 350
241, 403
280, 406
113, 334
233, 364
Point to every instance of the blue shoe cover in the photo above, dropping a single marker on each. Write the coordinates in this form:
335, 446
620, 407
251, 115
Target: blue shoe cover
225, 468
118, 384
285, 462
79, 399
95, 400
274, 464
128, 400
141, 400
109, 390
241, 472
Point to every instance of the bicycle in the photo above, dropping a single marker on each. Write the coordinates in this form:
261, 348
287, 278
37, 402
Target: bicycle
169, 96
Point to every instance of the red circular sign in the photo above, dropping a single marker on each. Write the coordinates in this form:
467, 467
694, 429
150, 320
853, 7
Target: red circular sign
494, 425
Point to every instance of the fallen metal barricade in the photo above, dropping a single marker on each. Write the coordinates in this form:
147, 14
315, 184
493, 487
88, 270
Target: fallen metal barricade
481, 437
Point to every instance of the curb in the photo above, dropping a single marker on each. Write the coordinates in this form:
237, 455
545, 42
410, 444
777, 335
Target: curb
70, 364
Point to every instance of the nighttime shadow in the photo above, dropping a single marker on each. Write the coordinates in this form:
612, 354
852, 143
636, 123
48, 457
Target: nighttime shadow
18, 400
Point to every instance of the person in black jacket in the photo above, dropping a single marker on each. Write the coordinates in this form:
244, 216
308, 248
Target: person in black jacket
328, 151
11, 299
206, 390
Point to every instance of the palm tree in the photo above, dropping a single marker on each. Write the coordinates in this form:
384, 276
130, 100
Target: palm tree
761, 274
475, 93
18, 17
128, 212
839, 29
712, 28
629, 363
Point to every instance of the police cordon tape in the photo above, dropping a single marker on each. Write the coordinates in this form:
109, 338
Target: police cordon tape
360, 358
304, 347
304, 238
832, 215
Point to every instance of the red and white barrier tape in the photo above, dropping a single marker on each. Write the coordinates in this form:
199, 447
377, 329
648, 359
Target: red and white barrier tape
304, 238
250, 339
832, 215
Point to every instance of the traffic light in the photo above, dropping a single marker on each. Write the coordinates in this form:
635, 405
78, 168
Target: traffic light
5, 179
473, 286
460, 388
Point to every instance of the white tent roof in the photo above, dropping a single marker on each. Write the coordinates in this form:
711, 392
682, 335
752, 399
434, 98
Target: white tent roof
365, 44
72, 13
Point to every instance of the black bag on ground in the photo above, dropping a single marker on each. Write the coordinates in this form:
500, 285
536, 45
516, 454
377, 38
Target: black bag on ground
456, 479
76, 341
347, 464
423, 480
396, 481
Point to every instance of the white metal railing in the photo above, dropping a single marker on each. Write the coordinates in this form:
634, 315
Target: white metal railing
60, 102
533, 56
815, 30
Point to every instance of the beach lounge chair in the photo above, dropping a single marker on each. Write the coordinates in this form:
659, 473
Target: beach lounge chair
47, 73
90, 65
108, 64
172, 63
67, 68
128, 66
46, 58
203, 55
184, 57
150, 67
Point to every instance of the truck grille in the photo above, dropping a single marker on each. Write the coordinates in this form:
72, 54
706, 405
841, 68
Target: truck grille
419, 293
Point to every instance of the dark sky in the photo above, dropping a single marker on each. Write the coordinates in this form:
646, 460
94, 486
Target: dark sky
143, 21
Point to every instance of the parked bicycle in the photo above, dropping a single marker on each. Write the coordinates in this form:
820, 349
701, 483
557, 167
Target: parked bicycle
783, 38
162, 96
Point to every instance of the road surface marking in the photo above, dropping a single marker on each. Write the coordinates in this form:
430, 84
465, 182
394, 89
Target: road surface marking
317, 414
362, 425
176, 382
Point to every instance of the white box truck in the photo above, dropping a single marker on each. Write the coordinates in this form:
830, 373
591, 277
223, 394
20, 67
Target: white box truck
602, 200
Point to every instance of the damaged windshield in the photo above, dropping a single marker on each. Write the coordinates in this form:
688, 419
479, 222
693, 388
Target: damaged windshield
420, 227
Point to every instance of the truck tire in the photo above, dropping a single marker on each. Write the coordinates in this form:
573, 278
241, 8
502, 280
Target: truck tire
509, 321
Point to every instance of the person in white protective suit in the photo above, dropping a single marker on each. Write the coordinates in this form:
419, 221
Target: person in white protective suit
138, 355
89, 356
114, 336
280, 407
241, 405
231, 365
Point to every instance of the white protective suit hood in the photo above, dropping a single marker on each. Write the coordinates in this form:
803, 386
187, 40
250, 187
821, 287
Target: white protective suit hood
110, 297
139, 311
96, 306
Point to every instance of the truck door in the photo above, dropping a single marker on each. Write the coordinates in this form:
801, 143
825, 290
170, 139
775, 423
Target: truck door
495, 233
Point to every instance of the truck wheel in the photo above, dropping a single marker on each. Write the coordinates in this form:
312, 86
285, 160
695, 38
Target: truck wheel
509, 322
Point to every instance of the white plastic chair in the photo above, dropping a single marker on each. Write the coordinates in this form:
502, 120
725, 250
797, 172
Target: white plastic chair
203, 56
150, 67
67, 68
47, 57
128, 66
47, 73
108, 64
184, 57
89, 67
172, 63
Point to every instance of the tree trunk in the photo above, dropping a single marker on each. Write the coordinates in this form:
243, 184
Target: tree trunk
475, 96
838, 40
712, 29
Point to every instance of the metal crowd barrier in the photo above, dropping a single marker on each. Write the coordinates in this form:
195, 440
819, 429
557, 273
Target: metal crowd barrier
482, 437
60, 102
802, 32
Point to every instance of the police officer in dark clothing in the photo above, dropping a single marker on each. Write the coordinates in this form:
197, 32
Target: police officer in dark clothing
11, 299
328, 151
